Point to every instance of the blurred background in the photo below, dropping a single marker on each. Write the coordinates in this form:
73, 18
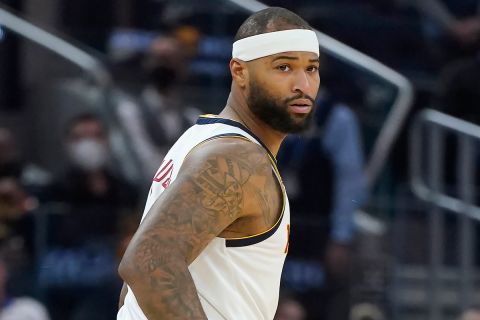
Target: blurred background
383, 187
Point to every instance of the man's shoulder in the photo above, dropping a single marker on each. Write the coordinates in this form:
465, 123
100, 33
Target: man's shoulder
234, 156
230, 145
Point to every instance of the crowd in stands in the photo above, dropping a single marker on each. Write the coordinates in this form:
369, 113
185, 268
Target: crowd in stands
90, 211
71, 263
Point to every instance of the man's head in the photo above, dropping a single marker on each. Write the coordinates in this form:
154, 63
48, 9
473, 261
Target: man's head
275, 65
87, 142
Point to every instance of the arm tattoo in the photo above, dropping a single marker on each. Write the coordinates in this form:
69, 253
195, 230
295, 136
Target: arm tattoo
190, 214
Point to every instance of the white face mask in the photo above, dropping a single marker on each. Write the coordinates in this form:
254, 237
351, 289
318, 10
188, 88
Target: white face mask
88, 154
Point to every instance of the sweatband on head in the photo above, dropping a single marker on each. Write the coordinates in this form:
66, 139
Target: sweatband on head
267, 44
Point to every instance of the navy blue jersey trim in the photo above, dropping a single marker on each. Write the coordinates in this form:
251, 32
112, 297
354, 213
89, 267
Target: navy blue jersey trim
254, 239
232, 243
238, 135
208, 120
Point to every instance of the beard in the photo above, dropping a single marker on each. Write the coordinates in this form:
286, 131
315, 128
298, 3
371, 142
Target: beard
274, 112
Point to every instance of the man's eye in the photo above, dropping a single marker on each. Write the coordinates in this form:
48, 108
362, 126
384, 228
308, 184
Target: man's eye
283, 67
312, 69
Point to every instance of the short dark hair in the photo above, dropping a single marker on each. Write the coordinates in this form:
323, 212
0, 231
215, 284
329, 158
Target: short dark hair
84, 117
270, 20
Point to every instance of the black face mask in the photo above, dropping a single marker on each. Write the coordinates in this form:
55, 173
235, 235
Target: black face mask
162, 77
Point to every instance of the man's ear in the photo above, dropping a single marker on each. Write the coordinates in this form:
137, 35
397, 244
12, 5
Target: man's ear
239, 72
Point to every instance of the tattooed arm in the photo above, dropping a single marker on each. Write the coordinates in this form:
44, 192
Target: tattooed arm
212, 190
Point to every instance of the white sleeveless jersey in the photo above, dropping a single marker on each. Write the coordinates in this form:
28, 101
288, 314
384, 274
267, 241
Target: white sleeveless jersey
236, 279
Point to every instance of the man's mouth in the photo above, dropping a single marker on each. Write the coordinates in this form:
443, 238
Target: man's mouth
300, 106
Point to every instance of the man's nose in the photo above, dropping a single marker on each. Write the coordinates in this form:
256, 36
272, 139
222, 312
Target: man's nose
301, 82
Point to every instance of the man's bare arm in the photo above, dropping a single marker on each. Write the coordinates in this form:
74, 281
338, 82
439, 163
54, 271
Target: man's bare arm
212, 190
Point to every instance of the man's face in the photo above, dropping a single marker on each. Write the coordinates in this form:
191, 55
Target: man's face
282, 89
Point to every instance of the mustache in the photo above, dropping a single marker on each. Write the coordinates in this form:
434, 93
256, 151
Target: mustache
300, 96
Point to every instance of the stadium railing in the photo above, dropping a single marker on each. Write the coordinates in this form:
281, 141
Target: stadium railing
93, 69
432, 137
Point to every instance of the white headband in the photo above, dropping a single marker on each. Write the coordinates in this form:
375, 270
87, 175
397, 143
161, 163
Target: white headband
266, 44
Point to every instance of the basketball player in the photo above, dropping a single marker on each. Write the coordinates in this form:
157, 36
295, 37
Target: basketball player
214, 234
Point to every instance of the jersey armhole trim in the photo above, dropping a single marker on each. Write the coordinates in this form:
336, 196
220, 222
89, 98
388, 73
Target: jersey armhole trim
259, 237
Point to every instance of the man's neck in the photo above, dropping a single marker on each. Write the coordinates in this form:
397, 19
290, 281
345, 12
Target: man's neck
238, 110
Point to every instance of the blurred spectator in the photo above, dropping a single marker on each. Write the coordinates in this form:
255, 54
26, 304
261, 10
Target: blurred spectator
96, 194
21, 184
88, 21
14, 205
289, 308
459, 90
83, 243
451, 26
472, 313
18, 308
189, 38
366, 311
159, 116
323, 173
30, 176
16, 224
9, 164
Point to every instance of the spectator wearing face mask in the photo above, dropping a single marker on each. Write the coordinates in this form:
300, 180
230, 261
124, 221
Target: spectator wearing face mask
160, 115
82, 248
89, 184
